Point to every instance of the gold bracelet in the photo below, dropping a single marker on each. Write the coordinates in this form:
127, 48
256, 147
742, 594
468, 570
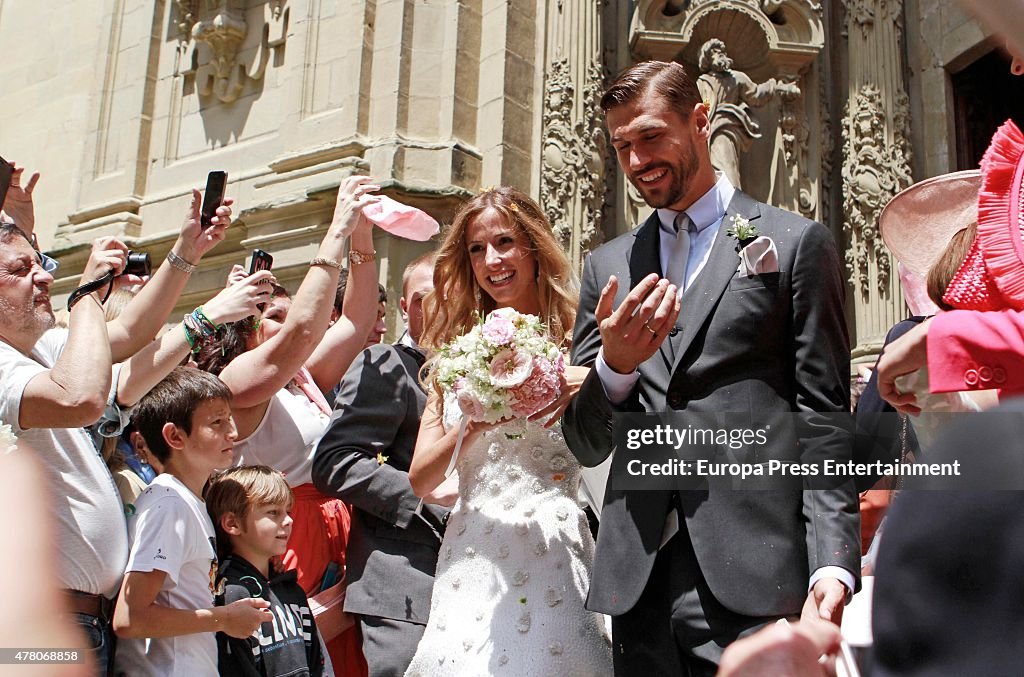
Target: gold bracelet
356, 257
180, 263
324, 261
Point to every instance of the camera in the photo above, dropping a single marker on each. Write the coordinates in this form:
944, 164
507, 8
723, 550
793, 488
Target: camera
137, 263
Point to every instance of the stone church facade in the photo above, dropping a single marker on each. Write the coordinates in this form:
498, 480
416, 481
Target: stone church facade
828, 108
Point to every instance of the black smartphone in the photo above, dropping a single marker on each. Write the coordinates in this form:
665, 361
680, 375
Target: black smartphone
6, 171
216, 181
261, 260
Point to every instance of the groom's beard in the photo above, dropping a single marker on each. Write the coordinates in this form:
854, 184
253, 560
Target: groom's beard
681, 175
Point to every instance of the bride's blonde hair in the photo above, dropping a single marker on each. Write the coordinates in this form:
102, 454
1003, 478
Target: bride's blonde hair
457, 301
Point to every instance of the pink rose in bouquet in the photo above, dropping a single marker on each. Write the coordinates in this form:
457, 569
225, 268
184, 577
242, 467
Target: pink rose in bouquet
498, 330
511, 368
469, 403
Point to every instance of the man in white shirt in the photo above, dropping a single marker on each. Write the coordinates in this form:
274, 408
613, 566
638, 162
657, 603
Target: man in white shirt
54, 382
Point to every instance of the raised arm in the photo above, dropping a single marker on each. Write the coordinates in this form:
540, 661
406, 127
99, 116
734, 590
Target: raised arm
346, 337
151, 364
18, 204
255, 376
74, 392
141, 319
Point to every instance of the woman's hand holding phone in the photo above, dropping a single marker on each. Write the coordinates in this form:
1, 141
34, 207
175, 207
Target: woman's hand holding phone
240, 299
196, 239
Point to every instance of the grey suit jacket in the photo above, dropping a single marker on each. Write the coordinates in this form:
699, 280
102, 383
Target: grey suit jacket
392, 552
773, 343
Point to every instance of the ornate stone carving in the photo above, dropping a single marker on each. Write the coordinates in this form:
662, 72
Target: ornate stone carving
186, 13
793, 124
874, 170
861, 13
729, 95
864, 14
223, 76
770, 7
901, 132
221, 25
574, 154
827, 147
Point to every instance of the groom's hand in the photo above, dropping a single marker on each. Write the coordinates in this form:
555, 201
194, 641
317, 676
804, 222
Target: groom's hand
825, 601
634, 331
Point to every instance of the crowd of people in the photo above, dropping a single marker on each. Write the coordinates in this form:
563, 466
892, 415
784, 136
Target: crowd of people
265, 488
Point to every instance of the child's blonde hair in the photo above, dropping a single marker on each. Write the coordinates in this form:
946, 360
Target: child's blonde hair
239, 490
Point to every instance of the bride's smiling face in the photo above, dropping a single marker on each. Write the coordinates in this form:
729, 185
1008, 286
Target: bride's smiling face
503, 261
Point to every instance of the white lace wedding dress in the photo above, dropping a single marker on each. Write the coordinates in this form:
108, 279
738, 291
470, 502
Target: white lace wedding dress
514, 566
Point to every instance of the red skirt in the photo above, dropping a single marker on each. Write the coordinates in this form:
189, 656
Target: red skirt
319, 536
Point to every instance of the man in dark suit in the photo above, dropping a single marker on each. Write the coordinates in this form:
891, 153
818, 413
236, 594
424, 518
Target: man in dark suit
683, 573
364, 460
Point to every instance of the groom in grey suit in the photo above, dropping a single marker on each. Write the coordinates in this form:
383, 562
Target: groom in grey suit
364, 459
668, 324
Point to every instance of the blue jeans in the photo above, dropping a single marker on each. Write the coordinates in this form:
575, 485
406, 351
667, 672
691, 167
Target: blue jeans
99, 637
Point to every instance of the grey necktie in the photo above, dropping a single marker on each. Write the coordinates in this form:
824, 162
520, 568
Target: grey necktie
680, 256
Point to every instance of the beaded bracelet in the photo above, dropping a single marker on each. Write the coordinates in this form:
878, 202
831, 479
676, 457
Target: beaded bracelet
190, 336
205, 320
198, 326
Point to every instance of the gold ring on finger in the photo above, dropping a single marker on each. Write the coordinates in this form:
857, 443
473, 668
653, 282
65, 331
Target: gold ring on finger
648, 328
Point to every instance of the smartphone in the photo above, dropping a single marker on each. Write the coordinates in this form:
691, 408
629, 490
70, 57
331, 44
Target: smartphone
216, 181
261, 260
6, 170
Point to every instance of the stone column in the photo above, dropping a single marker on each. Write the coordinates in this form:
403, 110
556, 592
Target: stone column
574, 146
876, 163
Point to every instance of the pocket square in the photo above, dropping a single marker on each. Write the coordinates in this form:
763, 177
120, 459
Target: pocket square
402, 220
759, 257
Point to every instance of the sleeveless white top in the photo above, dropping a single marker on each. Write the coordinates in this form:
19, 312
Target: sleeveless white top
287, 436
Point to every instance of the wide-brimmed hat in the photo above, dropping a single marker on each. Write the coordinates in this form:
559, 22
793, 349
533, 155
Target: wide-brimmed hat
992, 275
919, 222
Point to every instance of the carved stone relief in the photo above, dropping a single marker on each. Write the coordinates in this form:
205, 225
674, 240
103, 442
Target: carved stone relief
864, 13
861, 13
729, 95
221, 26
827, 148
873, 172
574, 154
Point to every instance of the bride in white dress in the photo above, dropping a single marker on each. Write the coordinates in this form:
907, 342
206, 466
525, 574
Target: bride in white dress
514, 566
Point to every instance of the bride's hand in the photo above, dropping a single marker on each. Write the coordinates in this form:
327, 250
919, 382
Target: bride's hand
572, 380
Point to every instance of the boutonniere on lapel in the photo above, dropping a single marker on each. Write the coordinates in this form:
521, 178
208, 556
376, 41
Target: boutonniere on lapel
742, 230
757, 253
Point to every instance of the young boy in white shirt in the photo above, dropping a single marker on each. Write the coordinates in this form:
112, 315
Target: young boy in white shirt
165, 613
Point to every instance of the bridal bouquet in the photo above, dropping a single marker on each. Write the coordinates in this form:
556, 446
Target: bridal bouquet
505, 367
